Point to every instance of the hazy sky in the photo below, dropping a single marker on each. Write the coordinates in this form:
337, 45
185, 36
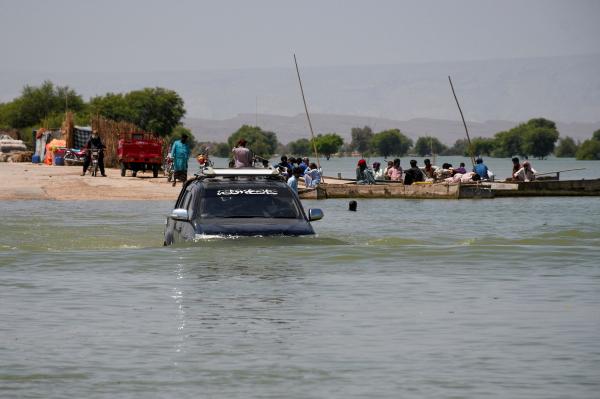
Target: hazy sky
123, 35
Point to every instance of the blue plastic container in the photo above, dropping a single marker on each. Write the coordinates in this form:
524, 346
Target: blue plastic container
59, 161
35, 159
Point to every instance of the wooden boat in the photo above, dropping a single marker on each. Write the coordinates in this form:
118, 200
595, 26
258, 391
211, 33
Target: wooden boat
547, 188
334, 188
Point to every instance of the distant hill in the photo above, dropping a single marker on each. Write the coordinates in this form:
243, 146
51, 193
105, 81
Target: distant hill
289, 128
559, 88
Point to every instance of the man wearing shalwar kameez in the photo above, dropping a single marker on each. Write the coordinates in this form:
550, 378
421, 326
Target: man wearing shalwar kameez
180, 152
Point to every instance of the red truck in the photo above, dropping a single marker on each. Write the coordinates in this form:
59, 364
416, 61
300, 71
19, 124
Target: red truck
140, 151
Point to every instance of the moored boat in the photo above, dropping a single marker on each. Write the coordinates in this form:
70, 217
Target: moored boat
332, 188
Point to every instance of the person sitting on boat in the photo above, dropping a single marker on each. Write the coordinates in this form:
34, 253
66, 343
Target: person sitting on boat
284, 167
284, 172
414, 174
312, 175
394, 172
526, 173
242, 155
260, 162
387, 169
293, 181
444, 172
461, 169
429, 169
377, 171
468, 177
303, 164
516, 165
284, 163
481, 169
363, 174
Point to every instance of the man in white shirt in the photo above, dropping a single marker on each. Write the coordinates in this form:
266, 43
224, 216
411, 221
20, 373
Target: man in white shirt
526, 173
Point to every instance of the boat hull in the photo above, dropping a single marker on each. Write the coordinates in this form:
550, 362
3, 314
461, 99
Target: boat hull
543, 188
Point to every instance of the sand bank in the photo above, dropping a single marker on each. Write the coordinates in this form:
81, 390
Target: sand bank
27, 181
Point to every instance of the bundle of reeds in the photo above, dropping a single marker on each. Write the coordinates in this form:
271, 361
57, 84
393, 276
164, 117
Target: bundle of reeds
67, 129
110, 131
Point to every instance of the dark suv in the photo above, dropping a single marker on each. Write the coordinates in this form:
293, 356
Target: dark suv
237, 202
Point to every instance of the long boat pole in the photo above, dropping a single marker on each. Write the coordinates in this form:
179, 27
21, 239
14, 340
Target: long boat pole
312, 133
464, 123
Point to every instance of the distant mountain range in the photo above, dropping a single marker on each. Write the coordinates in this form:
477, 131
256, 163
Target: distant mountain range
565, 89
289, 128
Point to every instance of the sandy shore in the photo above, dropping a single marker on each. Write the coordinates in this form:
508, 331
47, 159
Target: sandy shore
27, 181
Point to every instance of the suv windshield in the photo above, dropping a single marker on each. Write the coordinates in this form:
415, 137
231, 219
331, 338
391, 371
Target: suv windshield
243, 202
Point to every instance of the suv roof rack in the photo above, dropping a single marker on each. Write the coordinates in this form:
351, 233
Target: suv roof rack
212, 172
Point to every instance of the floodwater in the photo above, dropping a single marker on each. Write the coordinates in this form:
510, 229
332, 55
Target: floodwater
403, 298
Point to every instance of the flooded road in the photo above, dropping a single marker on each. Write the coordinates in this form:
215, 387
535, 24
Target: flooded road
404, 298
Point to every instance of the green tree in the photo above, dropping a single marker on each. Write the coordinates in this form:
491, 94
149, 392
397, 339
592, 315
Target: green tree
390, 142
361, 139
328, 144
260, 142
539, 141
8, 114
300, 147
541, 123
480, 146
111, 106
458, 148
222, 150
428, 145
537, 137
39, 103
566, 148
155, 110
509, 143
590, 149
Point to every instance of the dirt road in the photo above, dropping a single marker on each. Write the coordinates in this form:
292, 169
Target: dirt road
27, 181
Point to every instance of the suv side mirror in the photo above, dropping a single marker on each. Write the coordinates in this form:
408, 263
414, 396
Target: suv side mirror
315, 214
180, 214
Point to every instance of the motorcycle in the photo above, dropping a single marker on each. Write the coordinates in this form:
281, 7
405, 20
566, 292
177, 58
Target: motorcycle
74, 156
94, 154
